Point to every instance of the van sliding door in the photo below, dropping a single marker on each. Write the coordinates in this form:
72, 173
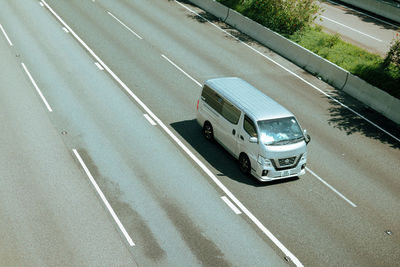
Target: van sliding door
228, 123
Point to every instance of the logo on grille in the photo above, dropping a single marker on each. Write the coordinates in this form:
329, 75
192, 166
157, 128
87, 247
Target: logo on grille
287, 161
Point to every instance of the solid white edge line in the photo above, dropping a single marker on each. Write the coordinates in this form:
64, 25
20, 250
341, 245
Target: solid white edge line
65, 29
365, 14
40, 3
294, 74
149, 119
110, 209
331, 187
231, 205
351, 28
99, 66
287, 253
176, 66
36, 87
123, 24
5, 34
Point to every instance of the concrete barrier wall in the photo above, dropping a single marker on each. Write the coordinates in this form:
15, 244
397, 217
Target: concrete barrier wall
371, 96
378, 7
375, 98
290, 50
213, 7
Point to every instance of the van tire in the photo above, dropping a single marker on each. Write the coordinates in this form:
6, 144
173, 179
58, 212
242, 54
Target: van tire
208, 131
244, 164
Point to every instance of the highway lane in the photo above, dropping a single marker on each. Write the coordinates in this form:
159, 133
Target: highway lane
50, 215
357, 27
356, 158
171, 212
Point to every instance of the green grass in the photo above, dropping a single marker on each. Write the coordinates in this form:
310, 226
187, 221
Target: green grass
366, 65
356, 60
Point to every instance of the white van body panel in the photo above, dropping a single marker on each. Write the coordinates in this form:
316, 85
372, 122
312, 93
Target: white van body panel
226, 137
268, 161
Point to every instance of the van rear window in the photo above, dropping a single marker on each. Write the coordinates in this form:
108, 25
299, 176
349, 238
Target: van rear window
222, 106
212, 99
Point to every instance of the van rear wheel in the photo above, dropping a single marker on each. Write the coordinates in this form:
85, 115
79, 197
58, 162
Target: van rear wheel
244, 164
208, 131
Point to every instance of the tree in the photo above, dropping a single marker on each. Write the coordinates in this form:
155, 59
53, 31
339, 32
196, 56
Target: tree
393, 56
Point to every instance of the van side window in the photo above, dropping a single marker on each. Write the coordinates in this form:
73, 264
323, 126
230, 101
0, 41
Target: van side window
249, 127
212, 98
230, 112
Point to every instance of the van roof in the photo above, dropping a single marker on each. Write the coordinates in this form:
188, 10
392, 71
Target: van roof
246, 97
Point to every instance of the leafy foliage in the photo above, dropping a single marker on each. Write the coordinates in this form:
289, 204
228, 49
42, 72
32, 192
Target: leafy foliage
293, 19
384, 74
282, 16
393, 56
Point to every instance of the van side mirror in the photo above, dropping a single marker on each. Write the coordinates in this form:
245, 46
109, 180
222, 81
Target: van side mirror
253, 139
307, 137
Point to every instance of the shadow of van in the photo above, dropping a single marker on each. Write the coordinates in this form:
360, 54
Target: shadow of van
216, 155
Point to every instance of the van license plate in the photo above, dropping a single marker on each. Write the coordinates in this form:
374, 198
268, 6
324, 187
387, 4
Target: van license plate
285, 173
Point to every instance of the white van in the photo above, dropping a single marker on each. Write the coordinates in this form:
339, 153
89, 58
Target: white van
262, 134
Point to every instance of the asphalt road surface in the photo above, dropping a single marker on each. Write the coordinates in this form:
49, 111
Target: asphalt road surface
119, 82
358, 27
49, 213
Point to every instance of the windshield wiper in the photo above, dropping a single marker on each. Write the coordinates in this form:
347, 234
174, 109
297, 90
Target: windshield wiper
290, 141
281, 142
296, 140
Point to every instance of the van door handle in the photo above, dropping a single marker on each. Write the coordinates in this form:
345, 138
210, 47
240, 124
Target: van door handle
233, 131
241, 137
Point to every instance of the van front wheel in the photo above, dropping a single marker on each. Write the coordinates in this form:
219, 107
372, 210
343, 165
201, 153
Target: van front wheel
208, 131
244, 164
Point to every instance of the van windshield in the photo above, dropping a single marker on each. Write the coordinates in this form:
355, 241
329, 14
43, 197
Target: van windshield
280, 131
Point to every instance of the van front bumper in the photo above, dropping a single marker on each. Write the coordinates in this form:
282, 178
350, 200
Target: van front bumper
273, 174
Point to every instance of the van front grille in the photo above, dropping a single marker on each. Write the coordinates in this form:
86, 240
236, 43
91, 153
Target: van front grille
286, 162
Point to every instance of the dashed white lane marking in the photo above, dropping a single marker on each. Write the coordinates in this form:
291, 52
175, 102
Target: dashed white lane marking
291, 72
37, 88
123, 24
65, 29
331, 187
176, 66
5, 34
350, 28
231, 205
287, 253
99, 66
40, 3
313, 173
149, 119
110, 209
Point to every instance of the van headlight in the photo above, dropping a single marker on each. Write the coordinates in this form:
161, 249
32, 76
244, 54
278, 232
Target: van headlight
263, 161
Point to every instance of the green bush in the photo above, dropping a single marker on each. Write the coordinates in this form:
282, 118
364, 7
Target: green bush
393, 56
283, 16
293, 19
